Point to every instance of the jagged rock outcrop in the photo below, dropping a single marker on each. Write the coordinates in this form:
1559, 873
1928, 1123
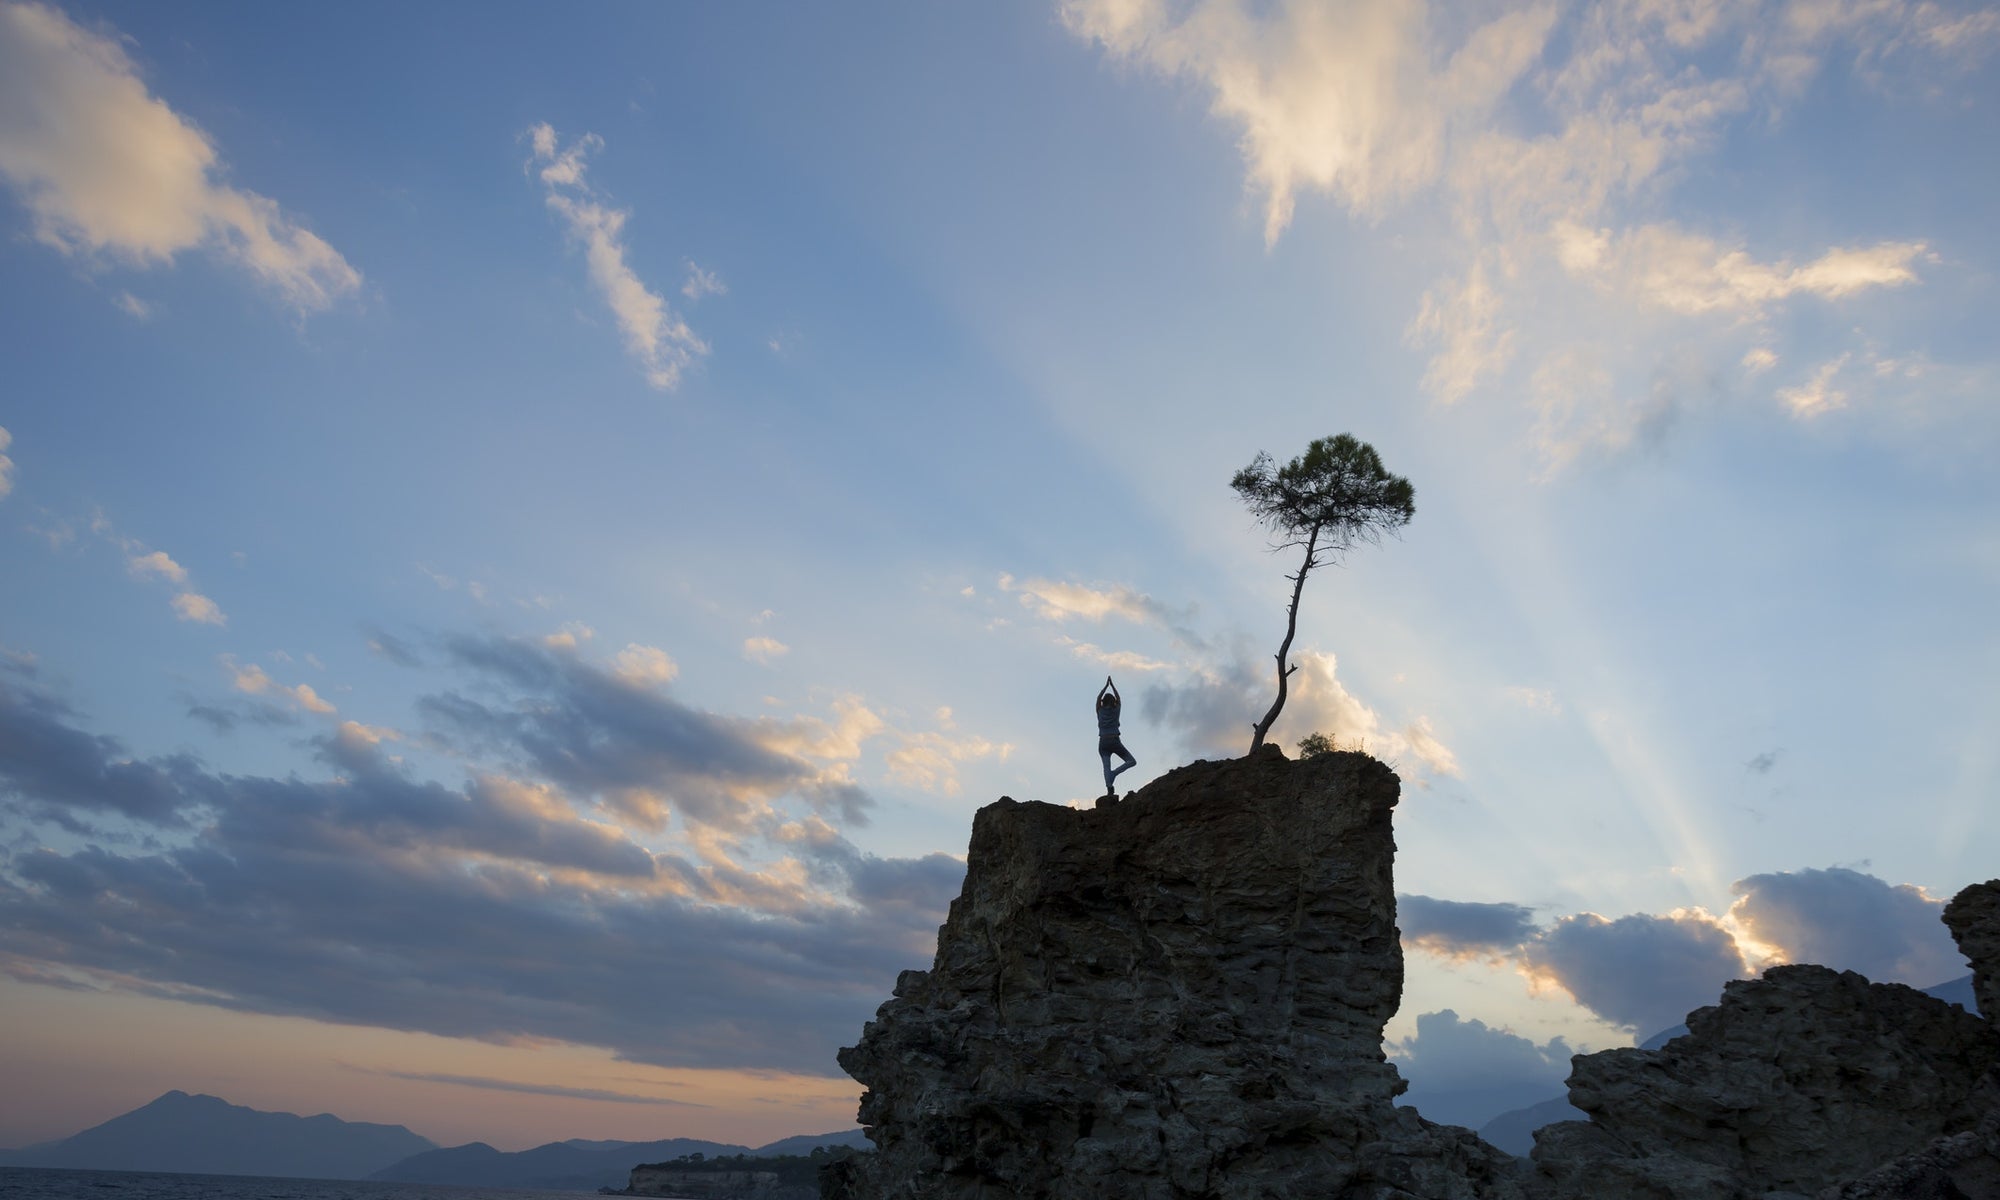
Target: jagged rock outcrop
1182, 994
1793, 1083
1973, 916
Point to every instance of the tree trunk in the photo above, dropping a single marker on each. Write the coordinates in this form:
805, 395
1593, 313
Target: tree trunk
1285, 647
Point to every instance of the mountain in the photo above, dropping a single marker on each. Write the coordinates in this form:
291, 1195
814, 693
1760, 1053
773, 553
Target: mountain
1514, 1131
556, 1166
806, 1143
204, 1135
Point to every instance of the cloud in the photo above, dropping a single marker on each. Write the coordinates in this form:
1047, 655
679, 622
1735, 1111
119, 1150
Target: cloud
1464, 1072
929, 760
6, 464
106, 168
1762, 764
487, 1083
193, 606
252, 680
54, 772
133, 307
1643, 972
643, 666
1058, 600
1817, 395
654, 334
1459, 929
1530, 150
393, 648
1212, 712
144, 563
612, 735
156, 563
766, 650
504, 908
702, 282
1849, 921
1647, 971
1690, 273
1345, 99
1117, 660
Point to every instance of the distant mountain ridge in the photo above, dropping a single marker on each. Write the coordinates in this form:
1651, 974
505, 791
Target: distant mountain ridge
578, 1164
206, 1135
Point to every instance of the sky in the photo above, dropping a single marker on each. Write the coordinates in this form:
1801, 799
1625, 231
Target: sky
525, 536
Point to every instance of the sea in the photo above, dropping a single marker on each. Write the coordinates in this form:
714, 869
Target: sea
35, 1183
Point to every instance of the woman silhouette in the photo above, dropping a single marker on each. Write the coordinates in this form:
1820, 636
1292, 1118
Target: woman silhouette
1108, 743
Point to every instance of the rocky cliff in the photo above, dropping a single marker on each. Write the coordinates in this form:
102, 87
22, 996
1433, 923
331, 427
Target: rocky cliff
1794, 1082
1181, 994
1973, 916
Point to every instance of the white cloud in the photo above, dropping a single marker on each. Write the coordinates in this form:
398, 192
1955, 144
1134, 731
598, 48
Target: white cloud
156, 563
1759, 359
1690, 273
1345, 98
570, 636
766, 650
6, 464
702, 282
930, 760
107, 168
252, 680
654, 334
370, 735
1532, 151
644, 666
1816, 395
133, 307
1117, 660
1057, 600
193, 606
1463, 319
840, 740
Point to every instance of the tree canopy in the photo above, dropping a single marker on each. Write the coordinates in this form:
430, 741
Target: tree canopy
1325, 501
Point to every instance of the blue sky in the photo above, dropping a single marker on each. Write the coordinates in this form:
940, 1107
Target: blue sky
527, 535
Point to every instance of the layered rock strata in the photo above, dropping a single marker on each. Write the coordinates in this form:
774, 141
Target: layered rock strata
1182, 994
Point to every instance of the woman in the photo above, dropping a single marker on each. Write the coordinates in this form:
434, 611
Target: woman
1108, 744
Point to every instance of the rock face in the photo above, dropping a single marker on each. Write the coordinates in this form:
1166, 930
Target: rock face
1794, 1082
1182, 994
1973, 916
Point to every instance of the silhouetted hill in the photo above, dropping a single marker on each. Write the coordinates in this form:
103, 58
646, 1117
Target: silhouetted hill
806, 1143
205, 1135
1514, 1131
558, 1165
